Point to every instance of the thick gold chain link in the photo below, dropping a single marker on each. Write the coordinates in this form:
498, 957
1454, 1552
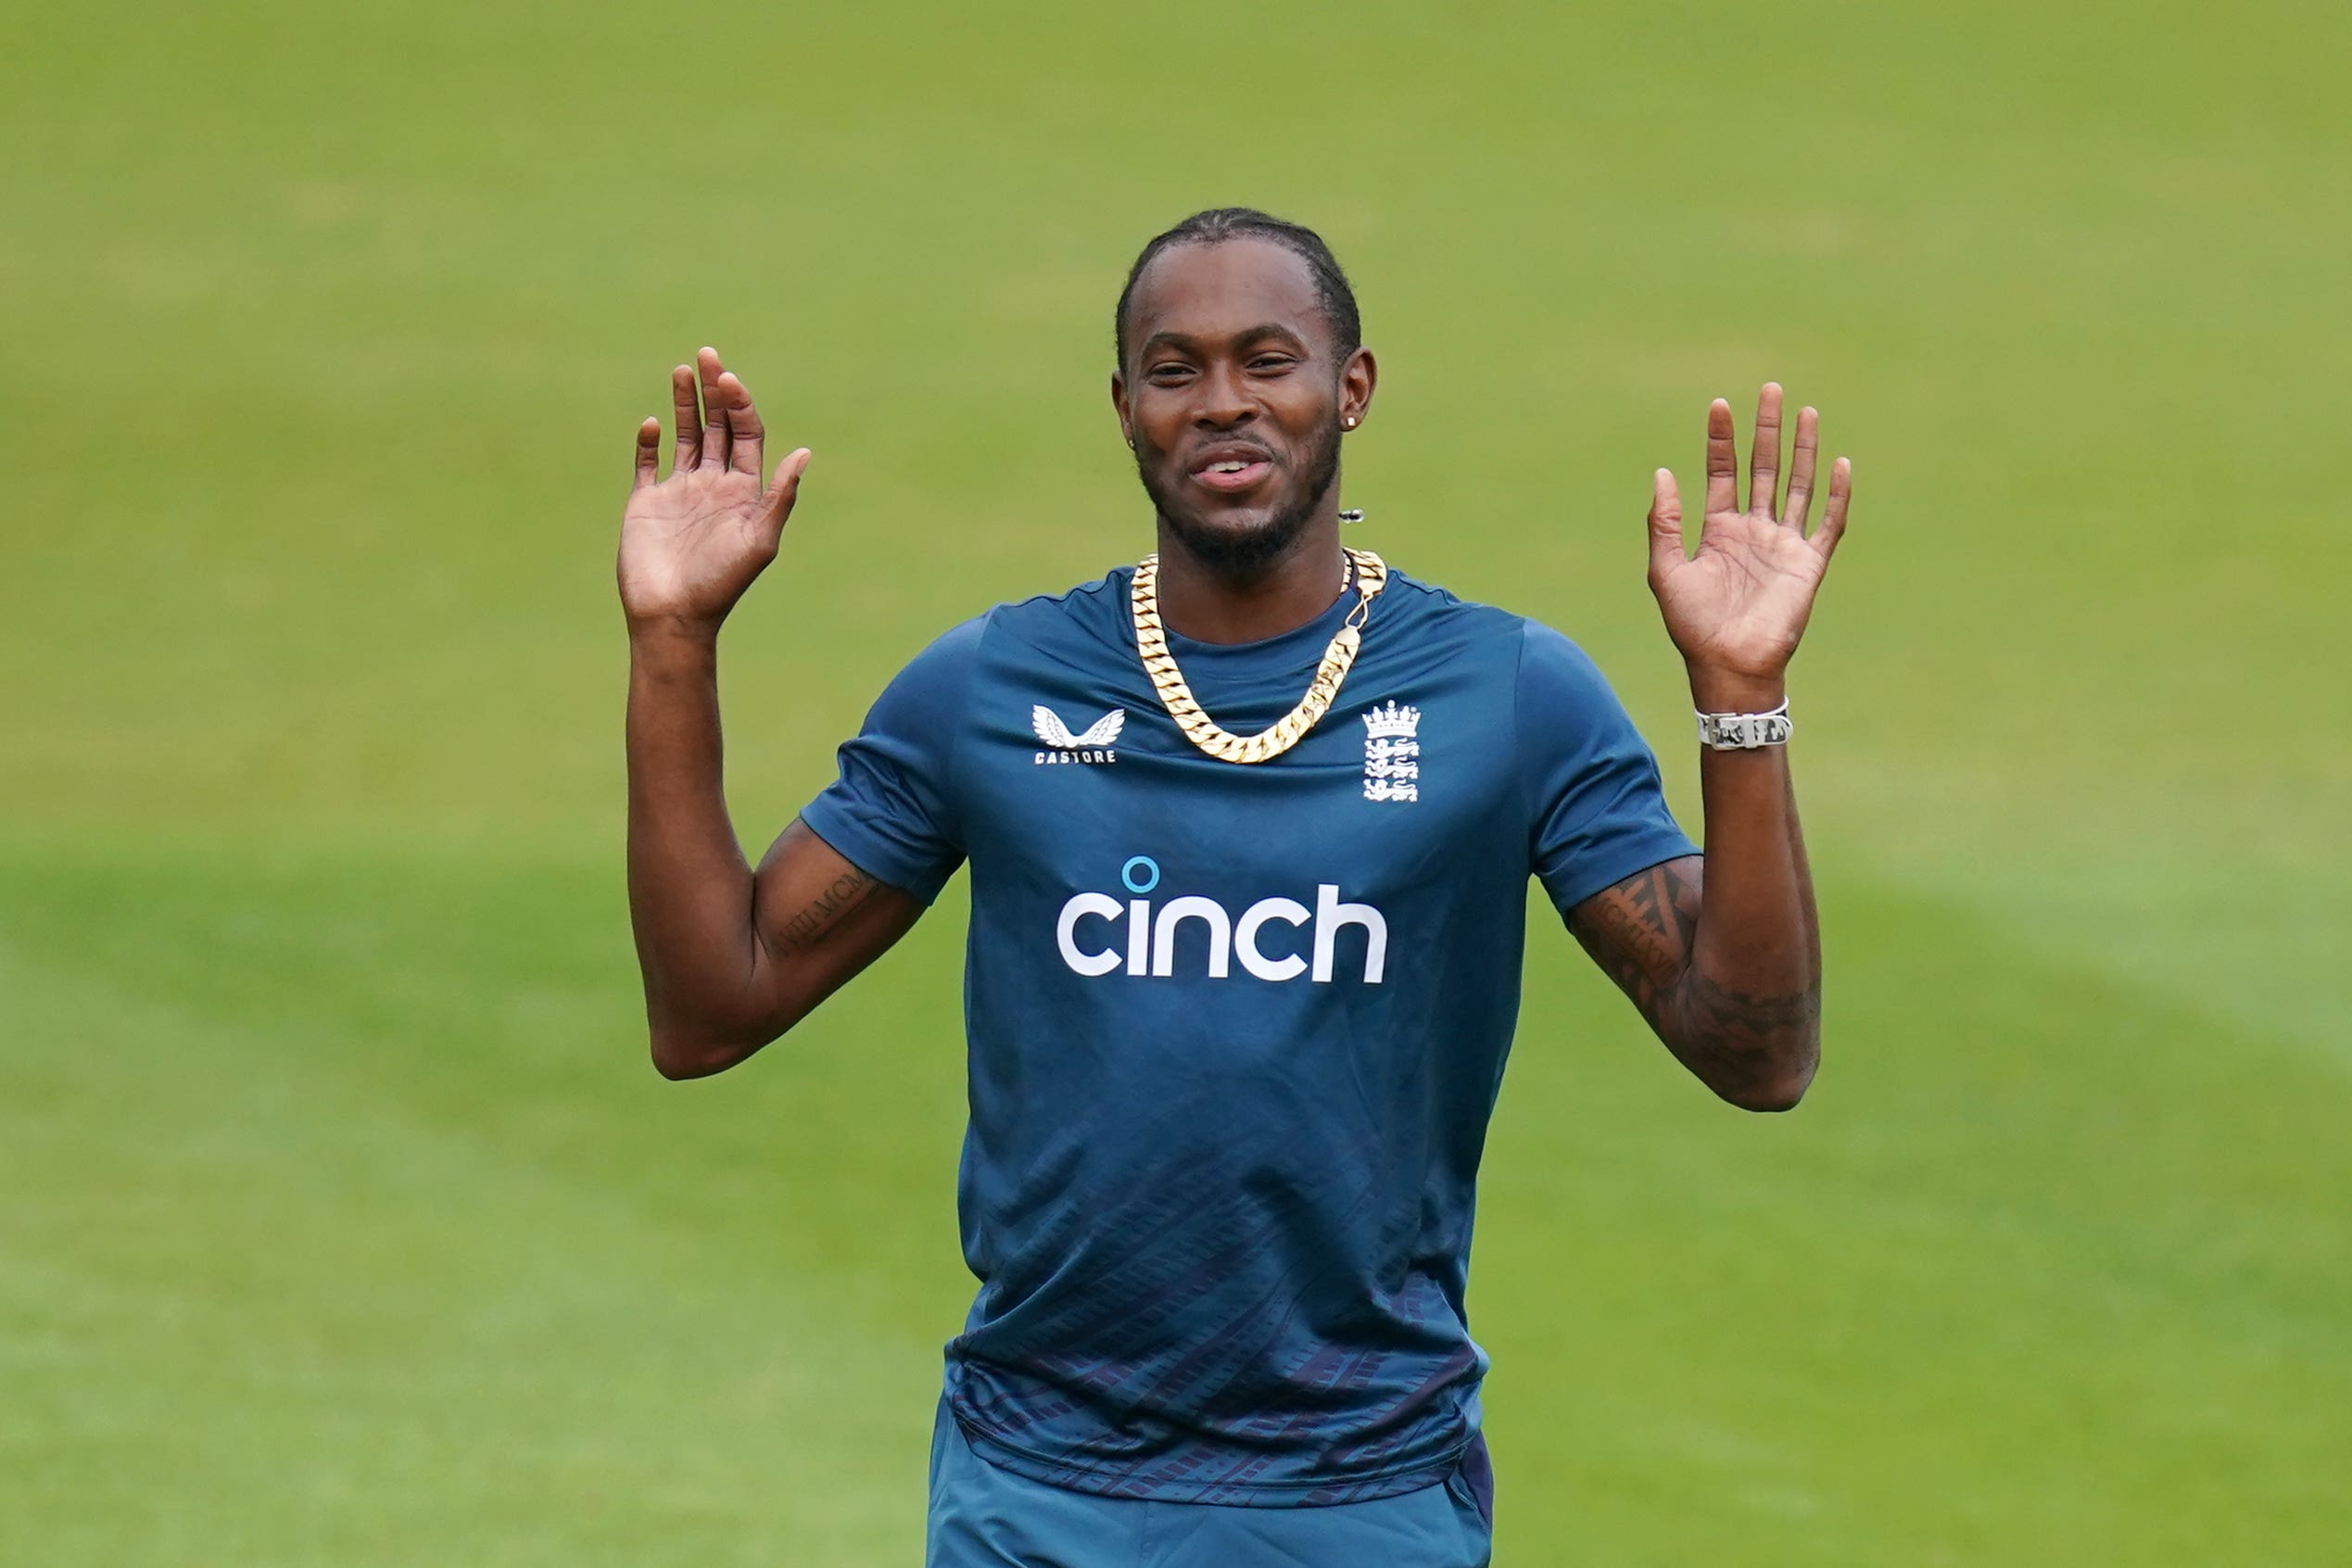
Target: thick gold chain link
1151, 643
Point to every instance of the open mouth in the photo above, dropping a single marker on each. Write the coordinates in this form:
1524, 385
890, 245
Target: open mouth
1231, 475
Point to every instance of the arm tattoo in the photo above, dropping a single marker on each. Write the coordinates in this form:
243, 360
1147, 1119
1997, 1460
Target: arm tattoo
1643, 932
1737, 1042
812, 925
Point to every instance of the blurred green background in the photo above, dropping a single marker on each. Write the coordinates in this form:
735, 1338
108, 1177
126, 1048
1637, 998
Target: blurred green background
342, 1219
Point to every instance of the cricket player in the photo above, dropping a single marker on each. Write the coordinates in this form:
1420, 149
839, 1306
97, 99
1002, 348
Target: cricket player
1249, 825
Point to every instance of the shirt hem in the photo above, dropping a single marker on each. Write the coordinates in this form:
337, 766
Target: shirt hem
1075, 1476
869, 851
1636, 855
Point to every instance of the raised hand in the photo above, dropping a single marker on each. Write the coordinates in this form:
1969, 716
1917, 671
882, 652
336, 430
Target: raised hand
691, 543
1738, 608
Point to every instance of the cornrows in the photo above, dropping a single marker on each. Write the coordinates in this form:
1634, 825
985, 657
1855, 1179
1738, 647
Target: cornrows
1220, 223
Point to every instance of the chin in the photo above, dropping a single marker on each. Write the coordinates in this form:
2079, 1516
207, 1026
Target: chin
1244, 537
1235, 539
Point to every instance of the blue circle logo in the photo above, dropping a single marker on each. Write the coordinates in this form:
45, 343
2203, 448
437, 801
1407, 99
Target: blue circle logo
1133, 870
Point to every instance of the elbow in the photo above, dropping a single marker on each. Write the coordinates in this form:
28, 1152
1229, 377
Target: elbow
679, 1061
680, 1054
1769, 1085
1781, 1095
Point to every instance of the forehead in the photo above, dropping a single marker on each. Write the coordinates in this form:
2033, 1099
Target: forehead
1214, 291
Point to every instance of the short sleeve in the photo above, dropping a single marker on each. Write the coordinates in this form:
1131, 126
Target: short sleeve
1596, 810
892, 811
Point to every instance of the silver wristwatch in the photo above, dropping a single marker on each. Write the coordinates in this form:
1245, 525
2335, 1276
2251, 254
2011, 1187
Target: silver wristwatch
1741, 732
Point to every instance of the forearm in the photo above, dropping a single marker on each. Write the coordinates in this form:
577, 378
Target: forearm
1747, 1005
690, 895
1722, 953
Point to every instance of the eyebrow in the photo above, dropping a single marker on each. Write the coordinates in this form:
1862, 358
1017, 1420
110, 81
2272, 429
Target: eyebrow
1191, 344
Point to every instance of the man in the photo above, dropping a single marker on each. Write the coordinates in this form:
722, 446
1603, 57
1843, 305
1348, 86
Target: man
1249, 828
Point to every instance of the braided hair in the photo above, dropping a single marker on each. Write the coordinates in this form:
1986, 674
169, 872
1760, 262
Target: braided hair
1219, 225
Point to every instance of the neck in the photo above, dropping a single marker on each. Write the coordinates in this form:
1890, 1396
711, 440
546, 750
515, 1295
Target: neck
1208, 604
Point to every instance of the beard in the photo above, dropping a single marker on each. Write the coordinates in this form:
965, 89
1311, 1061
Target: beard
1245, 549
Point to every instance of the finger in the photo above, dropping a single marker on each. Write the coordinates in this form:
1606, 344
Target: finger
649, 453
1722, 466
777, 506
1665, 525
688, 419
1764, 452
745, 433
715, 435
1833, 516
1801, 462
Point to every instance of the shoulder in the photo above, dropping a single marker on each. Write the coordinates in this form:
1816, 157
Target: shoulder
1437, 614
1084, 610
1538, 652
1552, 663
1009, 637
947, 658
952, 652
1558, 696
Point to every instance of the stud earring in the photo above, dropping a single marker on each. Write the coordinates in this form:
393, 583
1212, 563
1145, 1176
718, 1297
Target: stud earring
1349, 422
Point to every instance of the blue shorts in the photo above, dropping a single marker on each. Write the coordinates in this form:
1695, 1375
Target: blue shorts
983, 1516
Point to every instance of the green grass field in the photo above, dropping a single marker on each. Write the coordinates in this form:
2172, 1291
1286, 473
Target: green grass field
342, 1221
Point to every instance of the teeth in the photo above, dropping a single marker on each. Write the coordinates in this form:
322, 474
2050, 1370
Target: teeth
1227, 467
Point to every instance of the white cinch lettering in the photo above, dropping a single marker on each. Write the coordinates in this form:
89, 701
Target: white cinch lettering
1289, 967
1066, 933
1150, 948
1329, 914
1139, 934
1209, 913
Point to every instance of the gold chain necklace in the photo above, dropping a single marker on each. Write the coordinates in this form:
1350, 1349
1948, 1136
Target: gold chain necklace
1151, 642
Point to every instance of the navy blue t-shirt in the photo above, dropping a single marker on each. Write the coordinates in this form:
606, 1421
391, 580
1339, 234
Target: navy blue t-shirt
1236, 1030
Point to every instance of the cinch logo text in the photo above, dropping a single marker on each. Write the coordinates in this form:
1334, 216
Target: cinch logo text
1149, 946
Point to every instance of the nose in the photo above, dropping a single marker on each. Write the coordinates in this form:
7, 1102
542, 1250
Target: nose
1224, 397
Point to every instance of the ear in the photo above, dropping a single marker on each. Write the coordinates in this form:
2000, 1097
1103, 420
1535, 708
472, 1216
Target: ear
1118, 403
1357, 379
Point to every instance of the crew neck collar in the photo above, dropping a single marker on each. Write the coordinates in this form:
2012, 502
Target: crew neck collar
1316, 634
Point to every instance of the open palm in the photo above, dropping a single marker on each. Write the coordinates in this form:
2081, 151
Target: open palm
691, 543
1740, 605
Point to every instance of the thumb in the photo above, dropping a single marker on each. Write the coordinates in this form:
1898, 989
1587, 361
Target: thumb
776, 505
1665, 525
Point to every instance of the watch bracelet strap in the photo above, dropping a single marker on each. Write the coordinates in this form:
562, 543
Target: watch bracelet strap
1741, 732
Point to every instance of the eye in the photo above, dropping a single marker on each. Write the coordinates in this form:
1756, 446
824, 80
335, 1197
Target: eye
1271, 364
1168, 371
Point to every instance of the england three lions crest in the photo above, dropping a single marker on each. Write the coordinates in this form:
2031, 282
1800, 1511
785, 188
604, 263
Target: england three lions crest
1392, 754
1091, 745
